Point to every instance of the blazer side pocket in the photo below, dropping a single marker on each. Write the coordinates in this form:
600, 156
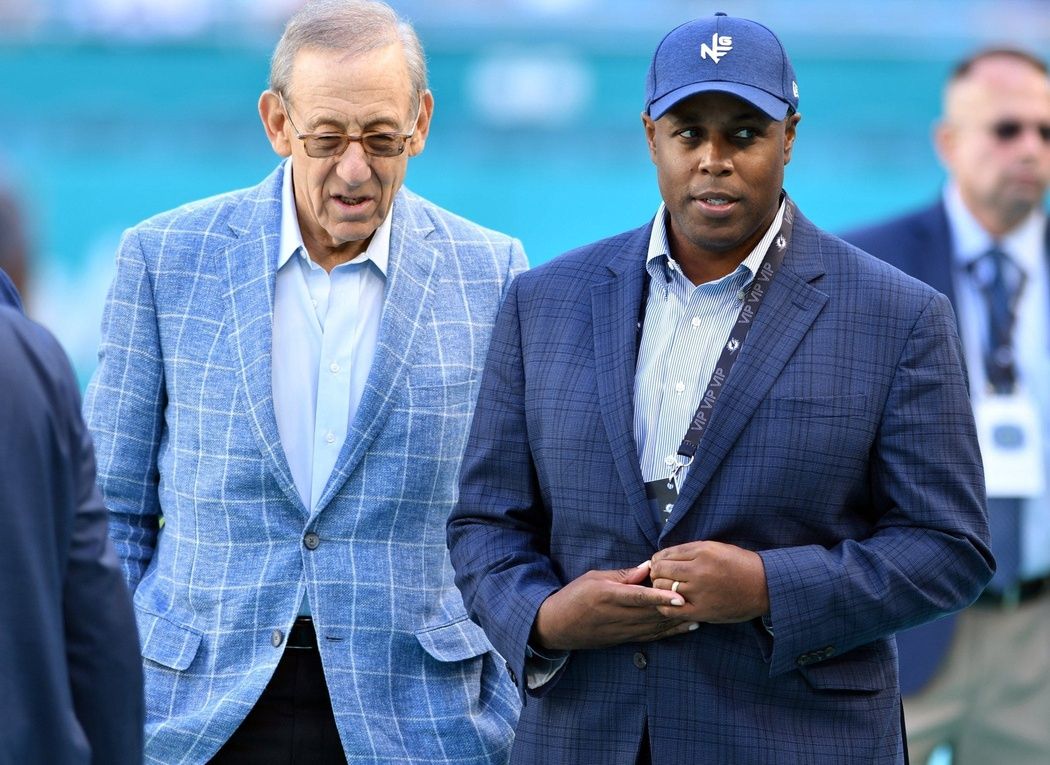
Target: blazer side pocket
866, 668
454, 641
166, 642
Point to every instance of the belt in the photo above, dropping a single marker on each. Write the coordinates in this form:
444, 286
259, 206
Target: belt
302, 634
1016, 594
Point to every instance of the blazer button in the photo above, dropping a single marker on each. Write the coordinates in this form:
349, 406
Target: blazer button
640, 661
276, 637
512, 673
311, 541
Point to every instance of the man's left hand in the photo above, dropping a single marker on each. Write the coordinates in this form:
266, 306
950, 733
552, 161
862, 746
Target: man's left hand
720, 583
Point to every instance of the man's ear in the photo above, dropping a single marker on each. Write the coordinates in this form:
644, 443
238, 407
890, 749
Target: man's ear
650, 135
790, 132
422, 126
275, 123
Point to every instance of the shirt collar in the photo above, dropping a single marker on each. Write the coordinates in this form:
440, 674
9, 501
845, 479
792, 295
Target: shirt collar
291, 242
1024, 244
660, 249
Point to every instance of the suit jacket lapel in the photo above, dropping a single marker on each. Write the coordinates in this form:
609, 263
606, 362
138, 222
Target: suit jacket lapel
412, 271
250, 272
791, 306
615, 306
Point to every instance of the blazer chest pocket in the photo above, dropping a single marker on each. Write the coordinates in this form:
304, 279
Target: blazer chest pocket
166, 642
439, 394
811, 407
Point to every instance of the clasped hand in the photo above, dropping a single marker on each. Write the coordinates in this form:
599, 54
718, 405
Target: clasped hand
717, 583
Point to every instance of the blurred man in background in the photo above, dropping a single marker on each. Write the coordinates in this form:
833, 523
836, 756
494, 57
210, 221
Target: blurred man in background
69, 661
981, 681
286, 377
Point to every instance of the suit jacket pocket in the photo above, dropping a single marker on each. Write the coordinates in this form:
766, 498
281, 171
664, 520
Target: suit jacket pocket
867, 668
455, 641
440, 395
813, 406
166, 642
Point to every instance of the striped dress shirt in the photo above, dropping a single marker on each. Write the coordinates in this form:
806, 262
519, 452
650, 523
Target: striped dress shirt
685, 327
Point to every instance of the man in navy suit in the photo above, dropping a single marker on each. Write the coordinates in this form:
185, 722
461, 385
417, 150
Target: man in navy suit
68, 651
981, 682
718, 461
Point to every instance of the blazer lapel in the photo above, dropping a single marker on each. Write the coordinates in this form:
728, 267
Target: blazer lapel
791, 306
411, 273
616, 306
251, 268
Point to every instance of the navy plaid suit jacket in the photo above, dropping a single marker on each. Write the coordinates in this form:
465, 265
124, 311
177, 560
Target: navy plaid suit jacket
919, 243
842, 449
181, 407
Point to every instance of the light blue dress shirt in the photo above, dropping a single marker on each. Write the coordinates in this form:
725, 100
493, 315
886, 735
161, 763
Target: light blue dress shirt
685, 327
325, 327
1026, 246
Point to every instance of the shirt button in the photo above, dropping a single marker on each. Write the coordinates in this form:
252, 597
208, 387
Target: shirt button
311, 541
330, 438
696, 321
276, 638
640, 661
333, 368
679, 387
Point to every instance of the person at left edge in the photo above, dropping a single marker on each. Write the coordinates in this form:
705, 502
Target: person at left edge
8, 294
834, 495
286, 377
69, 666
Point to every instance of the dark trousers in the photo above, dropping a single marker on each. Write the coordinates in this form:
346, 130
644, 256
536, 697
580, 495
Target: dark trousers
292, 722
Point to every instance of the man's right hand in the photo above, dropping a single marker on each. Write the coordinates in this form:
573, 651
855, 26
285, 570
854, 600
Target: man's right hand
604, 608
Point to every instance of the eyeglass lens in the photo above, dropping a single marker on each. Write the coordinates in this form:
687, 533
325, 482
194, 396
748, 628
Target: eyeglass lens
1009, 130
376, 144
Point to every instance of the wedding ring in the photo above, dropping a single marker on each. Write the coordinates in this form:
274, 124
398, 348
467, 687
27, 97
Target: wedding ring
675, 586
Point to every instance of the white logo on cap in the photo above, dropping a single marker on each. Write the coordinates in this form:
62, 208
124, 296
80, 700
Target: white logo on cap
719, 47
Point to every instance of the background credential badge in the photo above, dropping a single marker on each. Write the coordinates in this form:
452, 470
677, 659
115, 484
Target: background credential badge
1011, 445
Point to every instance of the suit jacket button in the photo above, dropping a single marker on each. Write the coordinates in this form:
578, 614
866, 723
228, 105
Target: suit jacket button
640, 661
513, 675
311, 541
276, 637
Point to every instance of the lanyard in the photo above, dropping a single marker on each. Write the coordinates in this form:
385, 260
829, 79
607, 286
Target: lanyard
755, 294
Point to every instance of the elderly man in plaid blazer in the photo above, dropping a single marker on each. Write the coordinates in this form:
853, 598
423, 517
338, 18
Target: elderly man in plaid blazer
286, 378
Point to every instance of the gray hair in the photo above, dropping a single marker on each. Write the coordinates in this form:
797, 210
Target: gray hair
351, 26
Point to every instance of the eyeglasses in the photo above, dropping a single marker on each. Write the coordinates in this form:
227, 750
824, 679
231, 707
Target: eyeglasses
377, 144
1006, 131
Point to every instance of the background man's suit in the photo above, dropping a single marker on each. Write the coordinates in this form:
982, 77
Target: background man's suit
69, 667
842, 449
920, 244
411, 678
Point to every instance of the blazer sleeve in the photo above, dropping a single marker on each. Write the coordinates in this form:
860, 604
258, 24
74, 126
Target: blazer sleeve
102, 646
928, 554
124, 407
498, 533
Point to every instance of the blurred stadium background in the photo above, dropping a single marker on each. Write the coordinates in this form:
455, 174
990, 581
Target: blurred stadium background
118, 109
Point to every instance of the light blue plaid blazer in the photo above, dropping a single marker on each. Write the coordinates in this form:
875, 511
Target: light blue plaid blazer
182, 412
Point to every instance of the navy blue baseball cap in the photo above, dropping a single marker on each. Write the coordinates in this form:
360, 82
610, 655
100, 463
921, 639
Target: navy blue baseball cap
723, 54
